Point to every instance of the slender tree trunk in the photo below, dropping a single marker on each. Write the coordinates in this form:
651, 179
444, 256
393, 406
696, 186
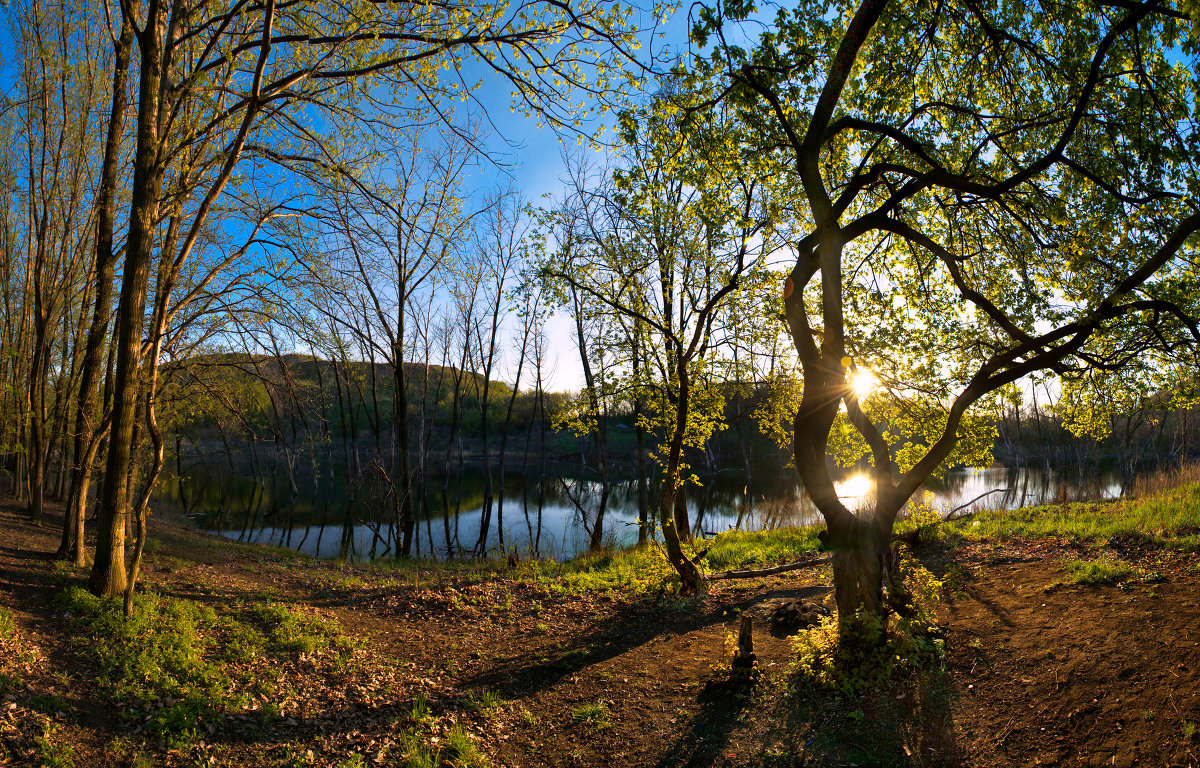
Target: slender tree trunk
86, 437
405, 519
672, 508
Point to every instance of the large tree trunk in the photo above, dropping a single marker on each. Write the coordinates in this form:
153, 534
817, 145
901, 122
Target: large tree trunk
860, 555
108, 577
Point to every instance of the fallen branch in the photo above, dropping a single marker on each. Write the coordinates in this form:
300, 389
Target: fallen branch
911, 537
751, 574
951, 513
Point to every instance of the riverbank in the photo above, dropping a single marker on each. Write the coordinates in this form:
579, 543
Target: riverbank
1069, 640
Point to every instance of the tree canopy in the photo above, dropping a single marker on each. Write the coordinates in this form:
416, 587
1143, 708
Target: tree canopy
986, 190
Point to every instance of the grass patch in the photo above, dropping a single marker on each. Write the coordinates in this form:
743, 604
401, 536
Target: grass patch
1102, 570
8, 627
1169, 516
736, 550
9, 682
165, 652
460, 751
456, 750
484, 702
287, 630
639, 570
646, 569
595, 714
54, 752
177, 665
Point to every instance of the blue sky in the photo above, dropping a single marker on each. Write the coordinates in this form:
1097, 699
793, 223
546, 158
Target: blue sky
527, 157
530, 159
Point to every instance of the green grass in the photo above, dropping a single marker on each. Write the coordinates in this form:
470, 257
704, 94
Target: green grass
288, 630
1102, 570
639, 570
9, 682
165, 652
484, 702
1168, 517
54, 752
736, 550
595, 714
178, 665
461, 752
8, 628
646, 568
456, 750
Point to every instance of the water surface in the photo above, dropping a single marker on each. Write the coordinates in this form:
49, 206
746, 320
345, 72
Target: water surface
557, 517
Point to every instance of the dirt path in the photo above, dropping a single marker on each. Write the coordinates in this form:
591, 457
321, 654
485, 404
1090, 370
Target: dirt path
1077, 675
1036, 673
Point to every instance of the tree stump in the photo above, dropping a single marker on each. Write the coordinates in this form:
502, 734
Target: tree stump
745, 662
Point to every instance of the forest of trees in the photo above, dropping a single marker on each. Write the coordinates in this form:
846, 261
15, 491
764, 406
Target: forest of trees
240, 228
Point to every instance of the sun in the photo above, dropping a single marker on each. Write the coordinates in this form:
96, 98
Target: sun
863, 382
857, 486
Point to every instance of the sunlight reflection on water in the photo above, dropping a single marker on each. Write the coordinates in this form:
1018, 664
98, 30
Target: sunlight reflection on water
543, 520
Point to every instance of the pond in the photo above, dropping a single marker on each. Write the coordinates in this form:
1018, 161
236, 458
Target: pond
557, 517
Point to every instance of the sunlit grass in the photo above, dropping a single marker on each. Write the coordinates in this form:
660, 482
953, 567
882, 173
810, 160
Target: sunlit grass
595, 714
1167, 515
638, 570
736, 550
8, 627
1102, 570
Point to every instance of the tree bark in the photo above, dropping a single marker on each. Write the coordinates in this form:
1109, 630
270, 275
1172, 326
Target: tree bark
860, 554
86, 433
108, 577
671, 507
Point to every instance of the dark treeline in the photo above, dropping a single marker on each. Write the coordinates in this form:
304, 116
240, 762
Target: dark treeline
1159, 427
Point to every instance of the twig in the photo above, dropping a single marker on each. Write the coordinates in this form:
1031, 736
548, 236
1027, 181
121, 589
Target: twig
911, 537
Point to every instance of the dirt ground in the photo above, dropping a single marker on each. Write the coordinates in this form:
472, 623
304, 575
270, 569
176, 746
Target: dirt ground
1036, 673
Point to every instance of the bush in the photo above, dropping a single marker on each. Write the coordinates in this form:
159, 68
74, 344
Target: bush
920, 517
